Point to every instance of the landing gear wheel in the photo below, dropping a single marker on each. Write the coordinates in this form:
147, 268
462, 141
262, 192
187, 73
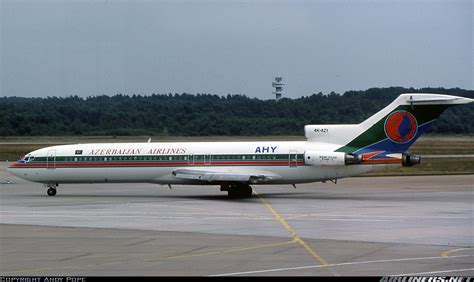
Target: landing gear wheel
246, 191
51, 191
239, 190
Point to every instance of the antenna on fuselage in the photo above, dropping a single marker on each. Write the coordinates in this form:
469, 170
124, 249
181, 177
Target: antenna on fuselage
149, 140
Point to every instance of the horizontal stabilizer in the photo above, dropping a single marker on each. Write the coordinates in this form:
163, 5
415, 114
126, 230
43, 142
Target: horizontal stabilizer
436, 99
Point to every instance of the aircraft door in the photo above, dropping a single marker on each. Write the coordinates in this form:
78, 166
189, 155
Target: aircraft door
207, 159
51, 159
190, 159
293, 158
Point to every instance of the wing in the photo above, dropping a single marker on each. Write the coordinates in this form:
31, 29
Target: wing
219, 176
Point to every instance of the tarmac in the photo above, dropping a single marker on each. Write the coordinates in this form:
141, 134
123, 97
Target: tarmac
369, 226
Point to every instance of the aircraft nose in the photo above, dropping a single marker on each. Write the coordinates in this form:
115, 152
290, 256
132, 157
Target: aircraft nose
11, 168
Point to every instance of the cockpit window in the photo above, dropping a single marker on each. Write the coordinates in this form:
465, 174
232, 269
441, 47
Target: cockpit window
31, 158
25, 158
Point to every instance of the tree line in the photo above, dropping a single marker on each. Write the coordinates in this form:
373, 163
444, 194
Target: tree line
209, 114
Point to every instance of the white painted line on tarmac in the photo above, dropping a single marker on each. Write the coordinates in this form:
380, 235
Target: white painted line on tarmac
338, 264
177, 216
347, 219
433, 272
298, 216
13, 217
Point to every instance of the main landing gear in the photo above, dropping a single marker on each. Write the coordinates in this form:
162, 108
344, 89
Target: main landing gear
51, 189
237, 190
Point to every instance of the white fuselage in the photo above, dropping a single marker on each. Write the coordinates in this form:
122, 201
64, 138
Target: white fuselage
155, 162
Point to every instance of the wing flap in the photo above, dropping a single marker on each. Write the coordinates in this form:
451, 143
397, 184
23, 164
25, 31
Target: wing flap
210, 176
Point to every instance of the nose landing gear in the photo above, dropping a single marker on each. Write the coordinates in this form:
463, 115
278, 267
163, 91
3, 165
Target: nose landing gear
51, 189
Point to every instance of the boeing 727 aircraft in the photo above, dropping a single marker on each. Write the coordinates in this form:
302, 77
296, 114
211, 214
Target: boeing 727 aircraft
329, 153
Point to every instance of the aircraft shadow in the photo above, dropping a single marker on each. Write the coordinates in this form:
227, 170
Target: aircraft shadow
254, 198
151, 197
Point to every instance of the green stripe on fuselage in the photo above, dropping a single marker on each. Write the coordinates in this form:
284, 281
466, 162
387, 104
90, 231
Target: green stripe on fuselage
165, 158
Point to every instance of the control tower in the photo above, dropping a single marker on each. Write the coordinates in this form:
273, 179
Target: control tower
278, 85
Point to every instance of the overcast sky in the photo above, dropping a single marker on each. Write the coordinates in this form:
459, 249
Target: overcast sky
62, 48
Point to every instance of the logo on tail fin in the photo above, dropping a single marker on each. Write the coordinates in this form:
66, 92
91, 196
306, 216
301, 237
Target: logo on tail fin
400, 126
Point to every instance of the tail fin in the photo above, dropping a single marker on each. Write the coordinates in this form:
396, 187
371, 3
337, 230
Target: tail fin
392, 130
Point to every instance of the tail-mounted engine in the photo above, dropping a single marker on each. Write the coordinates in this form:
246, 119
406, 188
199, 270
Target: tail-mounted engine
316, 158
410, 159
330, 158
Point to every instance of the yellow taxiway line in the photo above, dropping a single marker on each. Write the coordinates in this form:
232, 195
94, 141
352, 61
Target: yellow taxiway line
446, 254
295, 236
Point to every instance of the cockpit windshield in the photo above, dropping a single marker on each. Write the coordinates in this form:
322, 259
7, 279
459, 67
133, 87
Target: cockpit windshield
27, 158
